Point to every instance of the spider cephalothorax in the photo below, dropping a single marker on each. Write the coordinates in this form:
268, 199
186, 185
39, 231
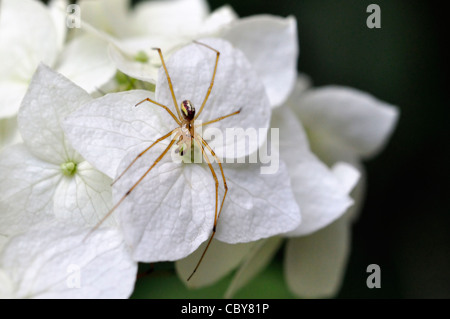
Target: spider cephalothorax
185, 133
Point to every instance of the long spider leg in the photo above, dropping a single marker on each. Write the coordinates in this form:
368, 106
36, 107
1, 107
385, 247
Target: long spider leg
216, 181
218, 119
221, 171
170, 83
131, 189
163, 106
212, 79
142, 153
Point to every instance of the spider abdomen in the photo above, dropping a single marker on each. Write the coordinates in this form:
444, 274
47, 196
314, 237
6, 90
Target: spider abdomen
188, 110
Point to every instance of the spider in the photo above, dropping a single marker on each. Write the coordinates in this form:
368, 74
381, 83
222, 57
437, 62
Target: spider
185, 135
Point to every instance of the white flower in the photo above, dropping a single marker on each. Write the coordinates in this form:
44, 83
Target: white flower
45, 176
318, 189
343, 125
269, 42
171, 212
133, 33
31, 33
56, 260
320, 192
159, 18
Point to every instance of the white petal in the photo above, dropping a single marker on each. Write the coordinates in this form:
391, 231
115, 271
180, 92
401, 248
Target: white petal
92, 29
271, 44
123, 54
6, 285
315, 264
27, 38
217, 20
181, 17
347, 176
26, 190
303, 83
347, 117
118, 15
58, 12
110, 16
171, 210
236, 87
319, 192
57, 261
219, 260
49, 99
3, 241
108, 128
85, 198
358, 194
257, 205
94, 13
260, 256
331, 151
321, 197
86, 62
28, 31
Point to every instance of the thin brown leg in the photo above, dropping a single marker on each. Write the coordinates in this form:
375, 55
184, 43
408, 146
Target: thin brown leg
221, 171
163, 106
170, 83
142, 153
212, 79
216, 181
219, 119
132, 188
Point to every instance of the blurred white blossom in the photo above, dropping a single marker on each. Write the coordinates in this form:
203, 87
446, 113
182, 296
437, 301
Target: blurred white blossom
57, 260
343, 126
269, 42
44, 176
33, 33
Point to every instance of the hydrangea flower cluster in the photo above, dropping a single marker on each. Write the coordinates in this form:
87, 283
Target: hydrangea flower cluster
94, 181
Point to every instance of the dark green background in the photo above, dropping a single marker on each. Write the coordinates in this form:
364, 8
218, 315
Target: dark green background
405, 223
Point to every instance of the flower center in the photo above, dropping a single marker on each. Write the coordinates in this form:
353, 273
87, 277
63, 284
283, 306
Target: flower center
127, 83
141, 56
69, 168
